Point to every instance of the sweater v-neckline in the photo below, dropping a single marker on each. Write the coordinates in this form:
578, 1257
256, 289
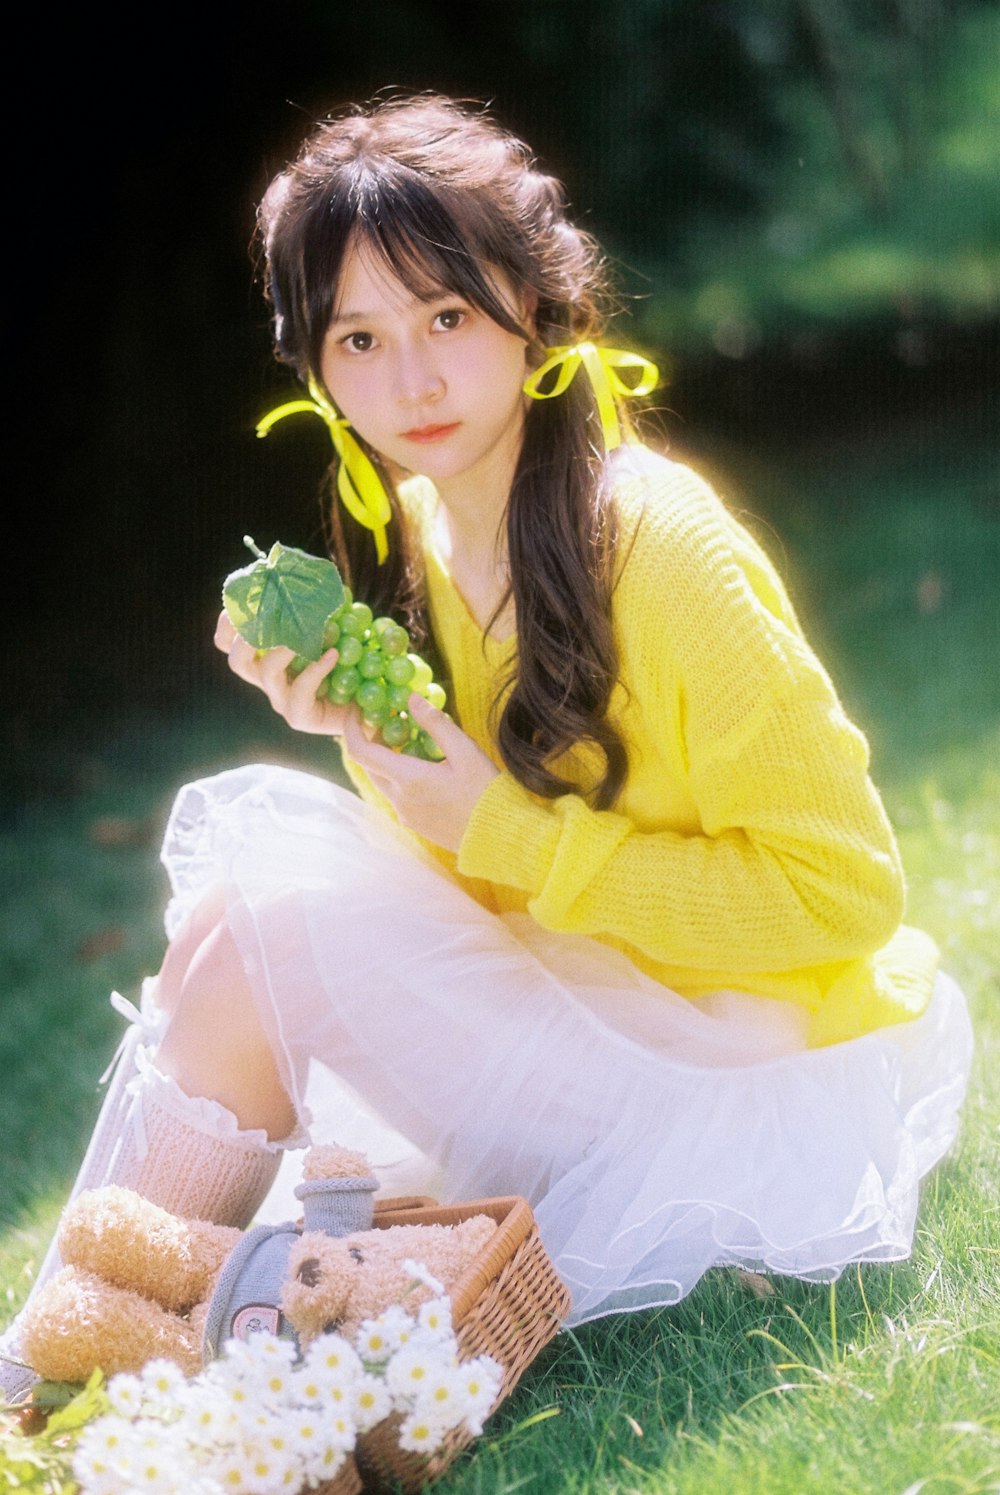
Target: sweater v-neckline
463, 608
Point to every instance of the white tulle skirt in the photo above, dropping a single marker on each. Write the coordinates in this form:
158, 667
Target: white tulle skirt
472, 1055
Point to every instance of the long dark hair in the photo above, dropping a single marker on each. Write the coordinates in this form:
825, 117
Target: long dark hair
442, 195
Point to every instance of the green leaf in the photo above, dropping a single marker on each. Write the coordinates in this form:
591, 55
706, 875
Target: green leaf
48, 1394
91, 1402
284, 600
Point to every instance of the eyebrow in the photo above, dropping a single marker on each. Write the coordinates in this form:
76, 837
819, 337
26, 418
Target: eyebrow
438, 294
352, 316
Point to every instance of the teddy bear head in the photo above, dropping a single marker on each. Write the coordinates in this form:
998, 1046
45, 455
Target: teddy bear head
335, 1284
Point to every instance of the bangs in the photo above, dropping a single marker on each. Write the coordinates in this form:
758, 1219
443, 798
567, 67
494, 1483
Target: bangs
429, 237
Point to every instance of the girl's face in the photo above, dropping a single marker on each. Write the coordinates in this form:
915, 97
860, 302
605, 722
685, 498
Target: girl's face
433, 385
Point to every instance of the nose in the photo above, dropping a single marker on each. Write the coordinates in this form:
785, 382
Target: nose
418, 381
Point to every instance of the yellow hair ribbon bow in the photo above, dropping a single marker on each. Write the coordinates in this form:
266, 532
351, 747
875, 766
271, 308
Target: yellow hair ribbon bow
358, 484
602, 365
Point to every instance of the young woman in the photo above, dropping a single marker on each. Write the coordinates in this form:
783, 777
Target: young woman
633, 949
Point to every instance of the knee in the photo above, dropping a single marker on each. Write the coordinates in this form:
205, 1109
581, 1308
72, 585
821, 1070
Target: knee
199, 940
212, 1000
215, 1043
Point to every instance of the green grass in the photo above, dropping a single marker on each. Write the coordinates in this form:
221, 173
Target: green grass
887, 1384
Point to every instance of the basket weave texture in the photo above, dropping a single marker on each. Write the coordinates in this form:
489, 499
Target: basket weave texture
508, 1303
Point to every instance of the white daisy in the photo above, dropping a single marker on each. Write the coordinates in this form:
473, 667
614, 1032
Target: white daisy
435, 1318
478, 1384
329, 1460
409, 1369
111, 1435
332, 1353
267, 1469
126, 1393
439, 1397
372, 1402
162, 1380
99, 1460
340, 1434
309, 1389
420, 1433
378, 1337
231, 1470
154, 1478
276, 1386
272, 1347
208, 1415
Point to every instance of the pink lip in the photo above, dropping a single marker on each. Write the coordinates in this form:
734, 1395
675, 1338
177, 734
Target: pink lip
430, 433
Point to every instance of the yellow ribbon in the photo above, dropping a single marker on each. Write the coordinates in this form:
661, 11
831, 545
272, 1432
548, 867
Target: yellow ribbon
601, 365
358, 484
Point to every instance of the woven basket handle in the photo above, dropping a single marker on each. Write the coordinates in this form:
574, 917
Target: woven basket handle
513, 1227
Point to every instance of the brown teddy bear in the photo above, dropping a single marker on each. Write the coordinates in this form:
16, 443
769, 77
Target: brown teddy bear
140, 1283
335, 1283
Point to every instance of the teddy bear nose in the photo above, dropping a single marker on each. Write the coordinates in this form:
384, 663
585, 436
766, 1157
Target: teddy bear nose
357, 1253
309, 1273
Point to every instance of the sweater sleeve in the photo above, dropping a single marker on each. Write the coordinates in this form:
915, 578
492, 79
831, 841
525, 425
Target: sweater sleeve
792, 861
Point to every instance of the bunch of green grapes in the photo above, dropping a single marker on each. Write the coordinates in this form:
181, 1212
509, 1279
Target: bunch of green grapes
293, 600
376, 671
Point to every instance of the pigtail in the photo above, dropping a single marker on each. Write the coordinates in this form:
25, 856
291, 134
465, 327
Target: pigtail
445, 199
562, 533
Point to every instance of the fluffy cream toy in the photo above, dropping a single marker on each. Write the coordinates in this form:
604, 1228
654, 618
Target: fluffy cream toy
140, 1283
333, 1283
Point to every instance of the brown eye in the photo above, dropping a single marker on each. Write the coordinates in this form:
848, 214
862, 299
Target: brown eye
309, 1273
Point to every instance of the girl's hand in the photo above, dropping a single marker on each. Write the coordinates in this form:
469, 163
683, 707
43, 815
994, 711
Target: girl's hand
433, 799
293, 698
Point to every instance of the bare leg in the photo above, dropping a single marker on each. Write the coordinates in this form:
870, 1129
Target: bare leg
214, 1044
199, 1125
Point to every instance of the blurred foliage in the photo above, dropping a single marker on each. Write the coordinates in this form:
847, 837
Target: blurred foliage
786, 165
883, 203
800, 198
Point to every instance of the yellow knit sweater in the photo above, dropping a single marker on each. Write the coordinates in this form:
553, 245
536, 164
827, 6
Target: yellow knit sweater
748, 850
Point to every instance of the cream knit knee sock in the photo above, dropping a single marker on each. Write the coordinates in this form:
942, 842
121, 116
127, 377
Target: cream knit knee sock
185, 1153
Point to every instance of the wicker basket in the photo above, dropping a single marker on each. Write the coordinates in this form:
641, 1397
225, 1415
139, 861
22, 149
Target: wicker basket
508, 1303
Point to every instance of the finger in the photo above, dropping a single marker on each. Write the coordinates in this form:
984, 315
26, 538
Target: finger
271, 667
243, 660
314, 673
433, 721
305, 692
365, 746
225, 633
358, 736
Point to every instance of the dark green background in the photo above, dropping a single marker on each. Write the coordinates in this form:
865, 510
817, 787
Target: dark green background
691, 135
